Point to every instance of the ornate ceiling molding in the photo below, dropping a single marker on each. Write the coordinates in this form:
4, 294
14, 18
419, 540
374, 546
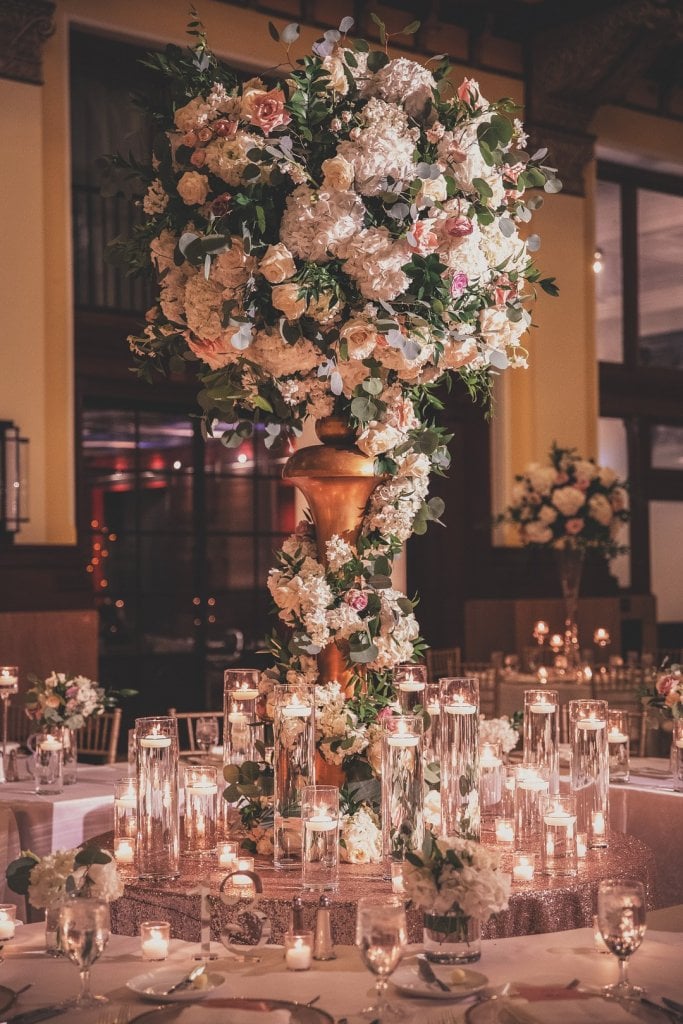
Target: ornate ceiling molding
575, 68
24, 27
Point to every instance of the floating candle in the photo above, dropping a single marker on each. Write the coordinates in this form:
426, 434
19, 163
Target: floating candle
523, 867
50, 745
124, 851
245, 693
155, 741
581, 845
294, 710
590, 724
321, 823
543, 708
616, 736
598, 821
505, 830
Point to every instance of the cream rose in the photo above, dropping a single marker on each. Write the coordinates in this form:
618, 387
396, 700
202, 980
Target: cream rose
433, 191
277, 264
568, 500
193, 188
285, 297
360, 338
338, 80
252, 90
338, 173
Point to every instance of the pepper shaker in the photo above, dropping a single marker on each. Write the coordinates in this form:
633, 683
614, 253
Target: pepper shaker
298, 926
323, 947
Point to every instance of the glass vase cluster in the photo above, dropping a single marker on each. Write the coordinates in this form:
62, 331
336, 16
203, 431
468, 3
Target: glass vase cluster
158, 845
452, 938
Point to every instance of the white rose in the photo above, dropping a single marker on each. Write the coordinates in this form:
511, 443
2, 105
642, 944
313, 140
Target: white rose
277, 264
338, 173
433, 191
568, 500
338, 81
285, 297
193, 188
547, 514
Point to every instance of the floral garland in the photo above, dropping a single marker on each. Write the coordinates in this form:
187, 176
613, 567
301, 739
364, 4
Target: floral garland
342, 243
570, 501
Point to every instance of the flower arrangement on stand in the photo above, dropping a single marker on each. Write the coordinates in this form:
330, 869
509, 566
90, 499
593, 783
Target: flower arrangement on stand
458, 884
340, 244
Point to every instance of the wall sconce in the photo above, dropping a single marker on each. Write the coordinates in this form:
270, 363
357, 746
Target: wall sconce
598, 261
13, 478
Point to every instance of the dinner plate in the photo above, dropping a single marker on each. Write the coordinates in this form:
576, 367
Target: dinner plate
409, 983
515, 1010
299, 1012
153, 984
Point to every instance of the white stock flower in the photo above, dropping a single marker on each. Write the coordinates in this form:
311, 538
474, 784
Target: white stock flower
537, 533
338, 551
498, 730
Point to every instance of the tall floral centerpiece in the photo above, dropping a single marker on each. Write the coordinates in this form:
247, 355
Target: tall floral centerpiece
336, 246
62, 703
569, 504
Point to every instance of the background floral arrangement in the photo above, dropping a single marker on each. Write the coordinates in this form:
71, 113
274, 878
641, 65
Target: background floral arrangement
498, 730
63, 699
668, 691
81, 872
341, 243
569, 501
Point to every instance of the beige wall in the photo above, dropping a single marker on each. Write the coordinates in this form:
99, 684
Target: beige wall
555, 398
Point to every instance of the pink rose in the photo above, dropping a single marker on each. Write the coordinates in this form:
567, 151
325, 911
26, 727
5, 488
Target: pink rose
422, 238
205, 134
458, 284
458, 227
665, 684
504, 290
468, 92
225, 128
188, 139
198, 158
385, 714
574, 526
356, 599
268, 111
435, 132
213, 352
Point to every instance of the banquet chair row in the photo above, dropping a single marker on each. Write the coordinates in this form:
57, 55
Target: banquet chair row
187, 727
442, 662
488, 685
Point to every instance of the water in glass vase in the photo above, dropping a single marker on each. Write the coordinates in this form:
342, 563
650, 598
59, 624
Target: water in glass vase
452, 938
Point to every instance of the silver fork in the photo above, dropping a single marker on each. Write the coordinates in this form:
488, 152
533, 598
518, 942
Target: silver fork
426, 972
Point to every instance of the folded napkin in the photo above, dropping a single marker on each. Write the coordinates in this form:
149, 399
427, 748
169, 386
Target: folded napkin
557, 1011
202, 1014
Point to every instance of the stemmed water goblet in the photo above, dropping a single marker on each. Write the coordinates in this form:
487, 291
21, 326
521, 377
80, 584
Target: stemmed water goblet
206, 733
381, 937
83, 933
621, 920
9, 685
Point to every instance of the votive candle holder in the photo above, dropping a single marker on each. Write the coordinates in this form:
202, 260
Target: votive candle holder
48, 762
504, 829
228, 853
155, 937
124, 852
298, 951
8, 921
618, 744
523, 867
320, 837
558, 842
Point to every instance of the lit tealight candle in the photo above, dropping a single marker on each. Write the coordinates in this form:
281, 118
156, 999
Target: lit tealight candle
488, 757
616, 736
523, 866
459, 706
541, 630
598, 820
7, 920
245, 693
321, 823
505, 830
124, 851
155, 741
397, 883
243, 864
238, 718
590, 724
50, 745
581, 845
227, 855
299, 951
543, 707
154, 939
296, 710
601, 637
556, 642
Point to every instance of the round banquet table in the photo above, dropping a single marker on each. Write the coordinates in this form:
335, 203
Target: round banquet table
543, 905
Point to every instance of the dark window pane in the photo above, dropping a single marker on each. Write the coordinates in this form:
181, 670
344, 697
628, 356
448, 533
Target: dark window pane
167, 563
660, 278
667, 447
230, 563
608, 273
230, 503
166, 500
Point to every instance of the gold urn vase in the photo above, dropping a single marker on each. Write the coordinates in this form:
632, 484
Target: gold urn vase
336, 480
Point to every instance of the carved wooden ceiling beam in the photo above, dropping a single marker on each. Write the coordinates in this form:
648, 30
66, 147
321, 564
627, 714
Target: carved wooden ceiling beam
574, 68
24, 27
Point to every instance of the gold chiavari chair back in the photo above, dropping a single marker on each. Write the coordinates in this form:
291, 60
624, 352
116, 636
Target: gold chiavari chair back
442, 662
488, 685
99, 737
187, 726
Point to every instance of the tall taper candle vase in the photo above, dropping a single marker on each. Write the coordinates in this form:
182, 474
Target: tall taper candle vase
590, 768
402, 788
460, 809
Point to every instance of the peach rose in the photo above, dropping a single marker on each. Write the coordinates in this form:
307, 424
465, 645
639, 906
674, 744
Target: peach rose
360, 338
215, 352
285, 297
268, 110
338, 173
193, 188
339, 83
422, 238
277, 264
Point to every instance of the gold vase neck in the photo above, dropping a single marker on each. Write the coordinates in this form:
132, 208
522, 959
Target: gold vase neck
336, 431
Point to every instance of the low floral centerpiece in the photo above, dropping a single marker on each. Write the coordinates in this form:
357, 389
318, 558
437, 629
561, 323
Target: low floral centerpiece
336, 245
62, 699
458, 884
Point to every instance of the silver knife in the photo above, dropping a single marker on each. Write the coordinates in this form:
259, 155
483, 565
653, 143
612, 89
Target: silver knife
33, 1016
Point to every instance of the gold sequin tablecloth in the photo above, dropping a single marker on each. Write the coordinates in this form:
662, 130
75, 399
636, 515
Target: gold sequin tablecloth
544, 905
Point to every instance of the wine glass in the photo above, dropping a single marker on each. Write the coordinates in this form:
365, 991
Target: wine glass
621, 920
83, 933
381, 936
206, 733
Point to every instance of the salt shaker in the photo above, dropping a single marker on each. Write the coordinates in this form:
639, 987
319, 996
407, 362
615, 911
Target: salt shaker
323, 947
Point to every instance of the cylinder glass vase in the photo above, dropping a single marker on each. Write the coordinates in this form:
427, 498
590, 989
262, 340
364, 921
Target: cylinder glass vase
70, 744
320, 823
126, 808
451, 938
618, 744
491, 783
157, 846
402, 788
199, 820
460, 811
542, 733
570, 567
240, 722
432, 737
558, 840
48, 762
531, 790
590, 768
410, 685
294, 767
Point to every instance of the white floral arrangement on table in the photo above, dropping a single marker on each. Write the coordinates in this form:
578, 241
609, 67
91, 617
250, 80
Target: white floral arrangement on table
62, 699
498, 730
570, 501
341, 243
454, 876
45, 881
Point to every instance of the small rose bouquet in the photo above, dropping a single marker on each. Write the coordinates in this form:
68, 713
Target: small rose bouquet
668, 691
456, 876
568, 502
47, 880
498, 730
66, 700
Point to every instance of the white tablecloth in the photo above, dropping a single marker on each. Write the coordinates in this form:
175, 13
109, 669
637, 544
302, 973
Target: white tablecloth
511, 689
83, 810
343, 985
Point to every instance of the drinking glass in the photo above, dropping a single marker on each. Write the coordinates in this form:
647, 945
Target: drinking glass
83, 934
621, 920
381, 936
206, 733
